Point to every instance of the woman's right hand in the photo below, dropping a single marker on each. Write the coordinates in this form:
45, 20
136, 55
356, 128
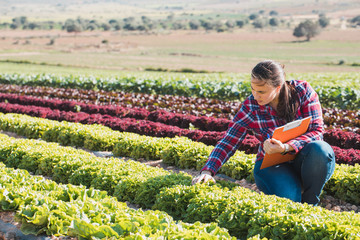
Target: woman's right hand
205, 176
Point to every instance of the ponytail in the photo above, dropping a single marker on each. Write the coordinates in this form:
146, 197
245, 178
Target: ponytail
288, 102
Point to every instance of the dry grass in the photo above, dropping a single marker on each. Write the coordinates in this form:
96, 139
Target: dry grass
227, 52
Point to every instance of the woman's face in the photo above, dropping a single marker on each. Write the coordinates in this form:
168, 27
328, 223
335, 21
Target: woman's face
264, 93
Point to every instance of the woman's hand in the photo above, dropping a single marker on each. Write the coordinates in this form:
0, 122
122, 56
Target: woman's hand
205, 176
272, 145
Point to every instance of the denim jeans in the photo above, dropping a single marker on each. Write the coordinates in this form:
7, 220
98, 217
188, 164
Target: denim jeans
301, 179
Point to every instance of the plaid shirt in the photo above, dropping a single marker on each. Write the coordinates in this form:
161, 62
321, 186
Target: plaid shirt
263, 120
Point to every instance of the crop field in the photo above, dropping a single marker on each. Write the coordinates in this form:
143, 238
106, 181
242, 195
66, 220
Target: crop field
62, 122
101, 132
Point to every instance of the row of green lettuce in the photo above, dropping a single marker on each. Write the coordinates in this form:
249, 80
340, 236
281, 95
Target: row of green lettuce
333, 79
344, 97
243, 212
181, 152
45, 207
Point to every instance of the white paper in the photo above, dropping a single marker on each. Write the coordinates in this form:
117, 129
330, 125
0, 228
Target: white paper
293, 124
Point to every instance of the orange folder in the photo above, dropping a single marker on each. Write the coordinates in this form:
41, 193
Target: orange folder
283, 134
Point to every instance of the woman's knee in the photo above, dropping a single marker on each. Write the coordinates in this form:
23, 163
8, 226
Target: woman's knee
319, 151
318, 159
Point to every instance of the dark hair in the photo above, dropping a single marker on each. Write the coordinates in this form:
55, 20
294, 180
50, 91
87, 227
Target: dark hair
272, 73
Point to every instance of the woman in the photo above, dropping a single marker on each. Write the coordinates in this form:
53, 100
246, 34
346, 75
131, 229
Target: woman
273, 103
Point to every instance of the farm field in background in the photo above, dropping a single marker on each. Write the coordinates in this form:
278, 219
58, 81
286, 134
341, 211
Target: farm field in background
198, 50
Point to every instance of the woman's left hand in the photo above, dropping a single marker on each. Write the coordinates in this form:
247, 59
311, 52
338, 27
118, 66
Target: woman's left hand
272, 145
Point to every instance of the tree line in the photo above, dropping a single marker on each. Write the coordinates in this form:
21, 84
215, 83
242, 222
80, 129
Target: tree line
259, 20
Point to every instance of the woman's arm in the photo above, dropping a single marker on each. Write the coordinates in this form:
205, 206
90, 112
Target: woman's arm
227, 146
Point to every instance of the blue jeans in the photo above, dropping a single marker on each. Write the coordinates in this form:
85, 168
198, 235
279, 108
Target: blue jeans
301, 179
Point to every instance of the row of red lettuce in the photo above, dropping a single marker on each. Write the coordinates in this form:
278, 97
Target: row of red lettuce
335, 137
344, 119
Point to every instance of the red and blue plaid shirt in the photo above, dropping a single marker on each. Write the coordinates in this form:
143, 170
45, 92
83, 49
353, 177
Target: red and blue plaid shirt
262, 121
